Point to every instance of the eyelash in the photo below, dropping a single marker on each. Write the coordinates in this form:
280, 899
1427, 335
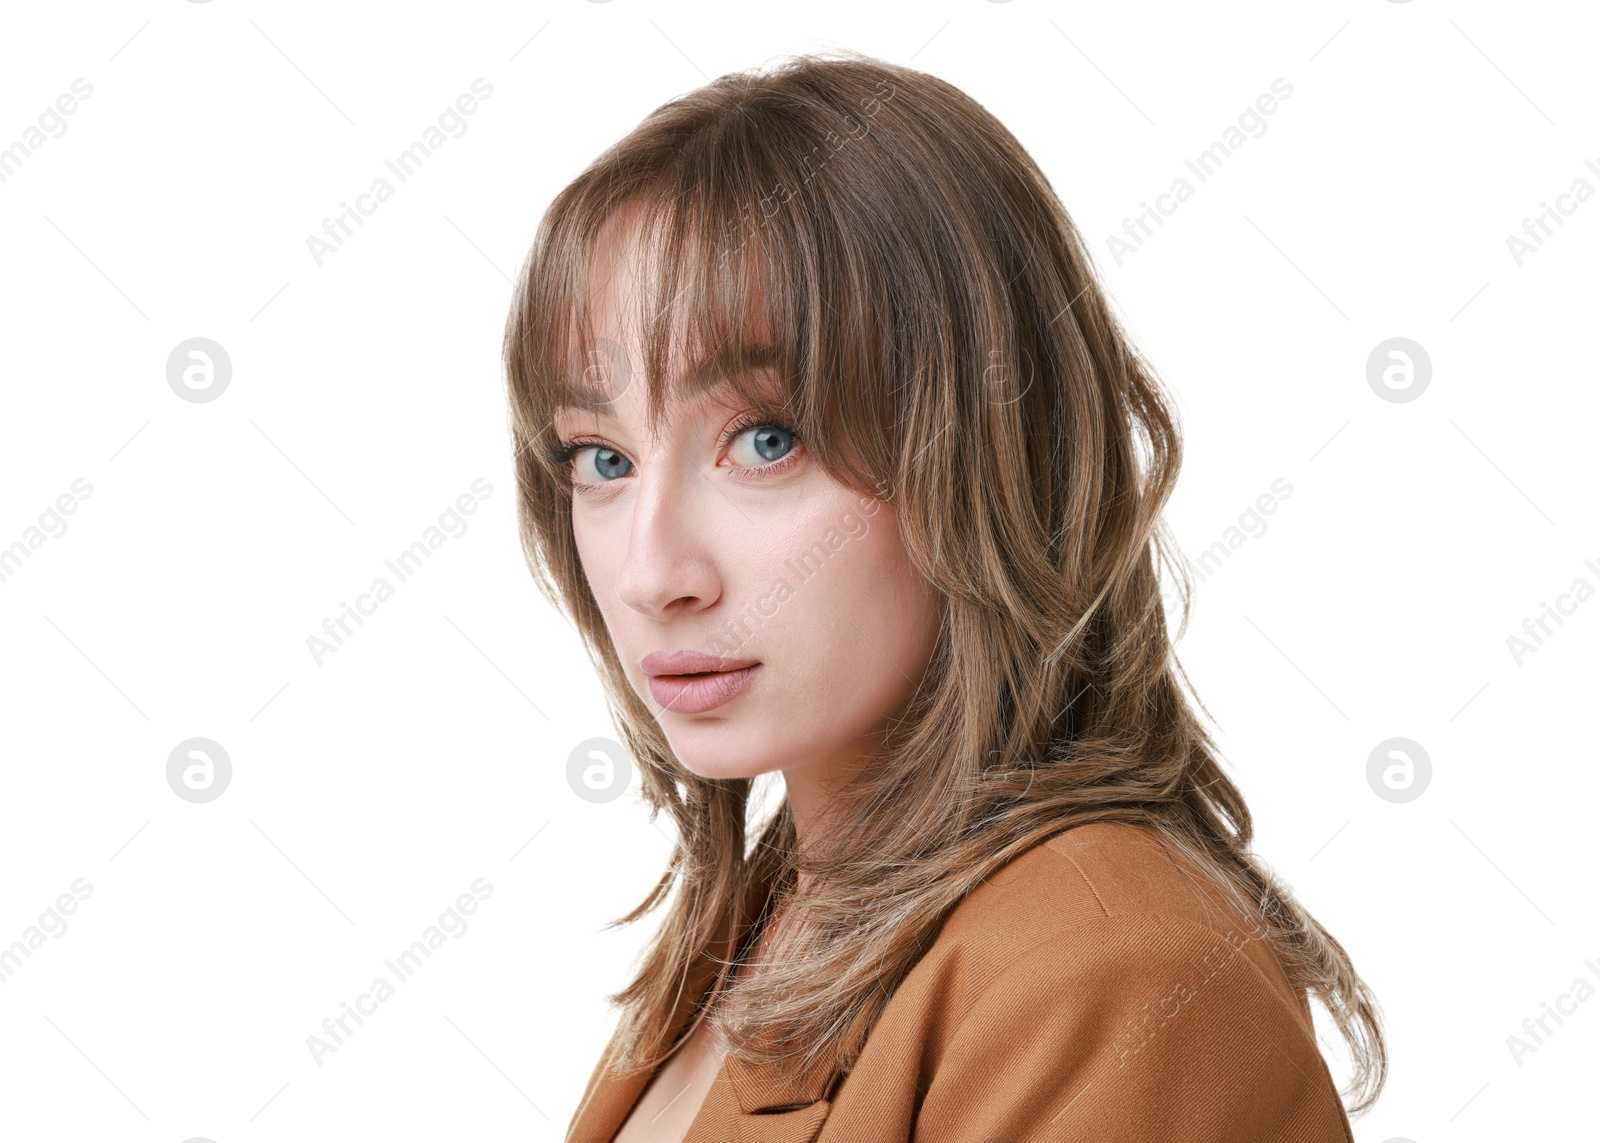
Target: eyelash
562, 452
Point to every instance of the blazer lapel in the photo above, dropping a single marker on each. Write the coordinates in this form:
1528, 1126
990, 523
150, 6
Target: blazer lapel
775, 1104
767, 1090
611, 1095
799, 1126
606, 1101
779, 1105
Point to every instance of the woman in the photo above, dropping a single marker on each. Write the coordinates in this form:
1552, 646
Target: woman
829, 443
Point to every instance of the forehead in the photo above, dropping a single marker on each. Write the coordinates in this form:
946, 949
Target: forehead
655, 319
720, 378
623, 266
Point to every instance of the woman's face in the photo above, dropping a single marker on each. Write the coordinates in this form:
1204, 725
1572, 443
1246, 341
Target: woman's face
723, 543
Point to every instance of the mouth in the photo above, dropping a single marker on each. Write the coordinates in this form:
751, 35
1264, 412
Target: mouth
696, 692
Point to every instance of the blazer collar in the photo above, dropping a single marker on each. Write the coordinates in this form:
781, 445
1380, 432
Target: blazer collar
612, 1094
772, 1089
775, 1106
760, 1091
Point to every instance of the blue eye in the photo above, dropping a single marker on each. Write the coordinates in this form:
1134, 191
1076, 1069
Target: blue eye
770, 442
770, 445
608, 462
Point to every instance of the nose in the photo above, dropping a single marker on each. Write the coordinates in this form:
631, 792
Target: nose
669, 567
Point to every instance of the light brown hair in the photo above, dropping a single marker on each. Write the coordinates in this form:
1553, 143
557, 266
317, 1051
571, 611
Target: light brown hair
944, 348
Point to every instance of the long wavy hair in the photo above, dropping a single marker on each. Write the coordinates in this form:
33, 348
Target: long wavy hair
944, 348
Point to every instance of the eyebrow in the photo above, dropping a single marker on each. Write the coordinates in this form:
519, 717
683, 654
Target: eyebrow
750, 360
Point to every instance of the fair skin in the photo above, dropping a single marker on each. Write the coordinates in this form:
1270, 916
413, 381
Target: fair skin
682, 534
686, 532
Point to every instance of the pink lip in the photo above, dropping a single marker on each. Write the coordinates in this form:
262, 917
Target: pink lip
690, 663
696, 694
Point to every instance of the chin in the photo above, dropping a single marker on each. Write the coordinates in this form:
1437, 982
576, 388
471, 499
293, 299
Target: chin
717, 750
706, 768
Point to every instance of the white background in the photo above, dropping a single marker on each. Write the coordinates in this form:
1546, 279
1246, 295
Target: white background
430, 750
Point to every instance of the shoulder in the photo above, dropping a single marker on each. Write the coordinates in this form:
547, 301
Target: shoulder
1097, 872
1110, 902
1099, 981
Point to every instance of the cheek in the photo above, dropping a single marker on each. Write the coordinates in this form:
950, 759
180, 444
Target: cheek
890, 605
885, 567
597, 562
910, 604
913, 609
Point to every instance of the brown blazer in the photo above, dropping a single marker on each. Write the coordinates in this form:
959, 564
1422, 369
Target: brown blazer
1094, 988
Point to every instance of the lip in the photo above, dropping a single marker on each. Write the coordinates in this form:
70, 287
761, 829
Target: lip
690, 663
678, 684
